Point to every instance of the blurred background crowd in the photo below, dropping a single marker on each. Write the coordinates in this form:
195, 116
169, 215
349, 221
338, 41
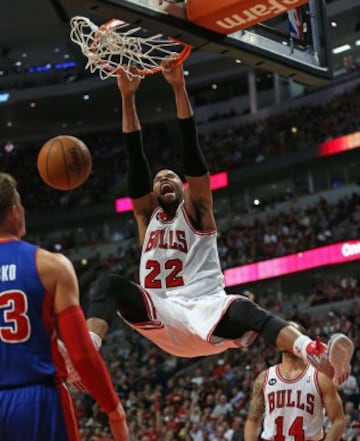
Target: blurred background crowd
234, 147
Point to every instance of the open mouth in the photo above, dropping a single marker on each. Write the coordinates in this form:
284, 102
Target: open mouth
166, 188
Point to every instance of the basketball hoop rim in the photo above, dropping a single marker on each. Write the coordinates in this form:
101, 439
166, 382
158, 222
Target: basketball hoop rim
180, 57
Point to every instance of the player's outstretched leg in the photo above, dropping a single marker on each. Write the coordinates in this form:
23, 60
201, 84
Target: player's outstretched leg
332, 359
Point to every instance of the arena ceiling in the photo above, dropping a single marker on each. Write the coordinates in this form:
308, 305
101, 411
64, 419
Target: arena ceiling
35, 34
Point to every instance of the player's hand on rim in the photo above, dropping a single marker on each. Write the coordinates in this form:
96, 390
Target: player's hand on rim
173, 72
127, 83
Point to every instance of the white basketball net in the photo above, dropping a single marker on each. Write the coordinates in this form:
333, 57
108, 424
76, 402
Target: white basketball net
117, 46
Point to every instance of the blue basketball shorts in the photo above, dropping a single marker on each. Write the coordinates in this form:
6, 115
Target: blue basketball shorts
36, 413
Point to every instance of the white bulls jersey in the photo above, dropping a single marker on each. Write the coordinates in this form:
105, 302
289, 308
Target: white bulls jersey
183, 288
177, 260
293, 408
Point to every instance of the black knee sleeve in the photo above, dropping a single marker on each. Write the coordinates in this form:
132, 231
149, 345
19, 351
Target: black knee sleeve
114, 294
271, 328
244, 315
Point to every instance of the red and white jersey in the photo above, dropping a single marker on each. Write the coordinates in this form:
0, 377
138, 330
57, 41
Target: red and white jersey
184, 288
177, 260
293, 408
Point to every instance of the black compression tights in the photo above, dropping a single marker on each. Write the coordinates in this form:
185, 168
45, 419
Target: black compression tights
243, 316
113, 293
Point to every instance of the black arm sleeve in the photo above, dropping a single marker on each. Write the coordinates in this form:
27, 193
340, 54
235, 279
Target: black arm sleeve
139, 178
193, 158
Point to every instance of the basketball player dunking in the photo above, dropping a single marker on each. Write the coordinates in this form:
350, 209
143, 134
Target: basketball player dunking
181, 304
288, 401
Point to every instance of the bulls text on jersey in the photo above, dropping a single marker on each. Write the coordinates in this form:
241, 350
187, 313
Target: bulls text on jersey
291, 398
173, 240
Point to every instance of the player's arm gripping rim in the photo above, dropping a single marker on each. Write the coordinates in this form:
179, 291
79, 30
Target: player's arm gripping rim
138, 176
256, 410
58, 276
333, 406
198, 196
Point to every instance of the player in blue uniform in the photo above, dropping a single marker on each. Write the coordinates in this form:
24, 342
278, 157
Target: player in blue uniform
39, 299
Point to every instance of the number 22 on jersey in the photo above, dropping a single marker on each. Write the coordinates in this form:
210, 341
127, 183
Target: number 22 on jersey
173, 278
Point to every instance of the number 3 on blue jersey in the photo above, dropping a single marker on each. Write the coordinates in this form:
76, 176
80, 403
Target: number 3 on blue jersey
15, 324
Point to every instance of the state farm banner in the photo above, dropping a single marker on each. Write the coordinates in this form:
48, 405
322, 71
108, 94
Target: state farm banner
228, 16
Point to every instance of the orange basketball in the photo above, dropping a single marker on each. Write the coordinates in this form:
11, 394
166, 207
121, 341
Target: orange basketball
64, 162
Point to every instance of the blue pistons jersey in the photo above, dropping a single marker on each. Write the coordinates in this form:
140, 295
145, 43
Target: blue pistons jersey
25, 318
34, 402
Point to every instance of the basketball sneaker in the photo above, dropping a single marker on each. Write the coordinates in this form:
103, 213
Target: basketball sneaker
332, 359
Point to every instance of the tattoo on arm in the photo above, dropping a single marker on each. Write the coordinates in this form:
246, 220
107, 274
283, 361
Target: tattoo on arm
257, 403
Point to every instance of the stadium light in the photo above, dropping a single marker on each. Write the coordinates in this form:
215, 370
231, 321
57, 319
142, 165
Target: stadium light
340, 49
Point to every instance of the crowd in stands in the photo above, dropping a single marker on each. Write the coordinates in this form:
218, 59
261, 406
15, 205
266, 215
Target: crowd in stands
227, 149
205, 399
322, 288
288, 232
297, 130
109, 163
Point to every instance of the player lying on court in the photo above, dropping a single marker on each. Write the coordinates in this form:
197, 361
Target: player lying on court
289, 401
39, 296
181, 304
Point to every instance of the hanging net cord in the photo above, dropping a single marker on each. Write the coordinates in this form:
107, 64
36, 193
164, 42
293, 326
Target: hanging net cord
116, 47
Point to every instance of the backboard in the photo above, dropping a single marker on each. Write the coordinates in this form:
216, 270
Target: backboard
273, 45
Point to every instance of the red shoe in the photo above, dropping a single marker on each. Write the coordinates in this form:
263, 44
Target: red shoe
333, 359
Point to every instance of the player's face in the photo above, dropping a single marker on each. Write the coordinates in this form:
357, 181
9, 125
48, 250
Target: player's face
168, 188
